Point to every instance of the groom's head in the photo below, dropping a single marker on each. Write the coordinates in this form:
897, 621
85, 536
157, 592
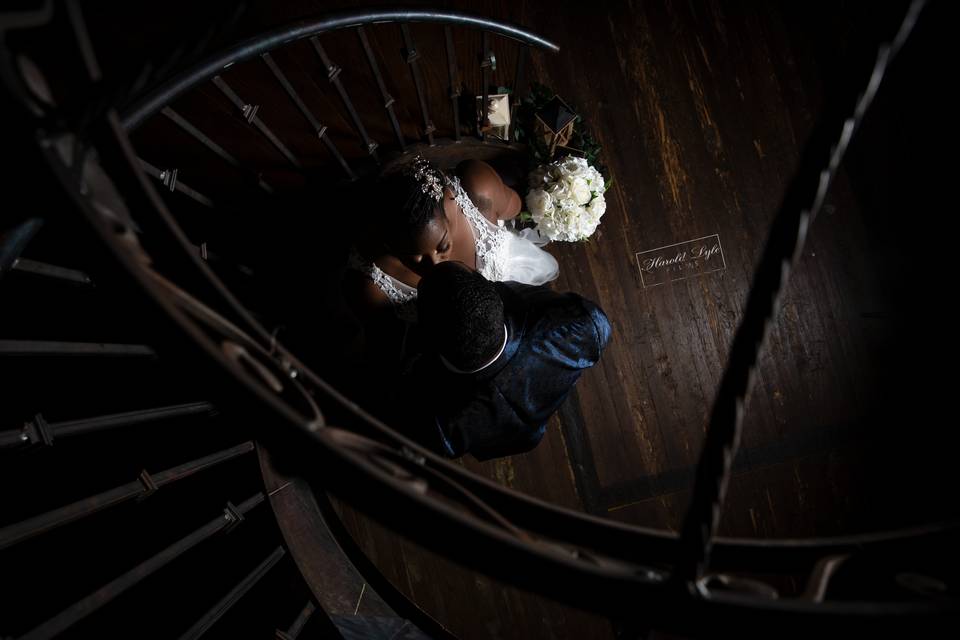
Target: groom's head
461, 315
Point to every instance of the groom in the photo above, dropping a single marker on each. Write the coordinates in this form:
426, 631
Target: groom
499, 359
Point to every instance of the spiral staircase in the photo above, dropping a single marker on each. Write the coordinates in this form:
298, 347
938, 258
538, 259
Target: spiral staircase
172, 466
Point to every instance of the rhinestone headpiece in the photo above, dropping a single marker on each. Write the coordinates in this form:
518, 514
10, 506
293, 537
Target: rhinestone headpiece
430, 180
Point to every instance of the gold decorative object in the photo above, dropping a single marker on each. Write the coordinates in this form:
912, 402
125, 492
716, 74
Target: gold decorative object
554, 123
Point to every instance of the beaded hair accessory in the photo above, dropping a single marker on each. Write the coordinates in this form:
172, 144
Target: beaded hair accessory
429, 178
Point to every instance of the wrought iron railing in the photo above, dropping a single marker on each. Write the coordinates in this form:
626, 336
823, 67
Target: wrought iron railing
657, 580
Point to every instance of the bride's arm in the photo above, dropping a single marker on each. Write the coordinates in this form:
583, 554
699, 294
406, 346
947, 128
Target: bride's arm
494, 199
364, 298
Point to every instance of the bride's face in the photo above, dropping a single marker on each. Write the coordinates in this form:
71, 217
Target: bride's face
434, 243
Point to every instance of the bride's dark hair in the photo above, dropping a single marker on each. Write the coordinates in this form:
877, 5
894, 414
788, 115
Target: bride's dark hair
403, 207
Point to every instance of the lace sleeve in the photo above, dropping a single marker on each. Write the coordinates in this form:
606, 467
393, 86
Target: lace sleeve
490, 237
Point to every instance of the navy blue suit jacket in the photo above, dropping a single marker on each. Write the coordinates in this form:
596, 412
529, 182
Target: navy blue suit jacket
503, 409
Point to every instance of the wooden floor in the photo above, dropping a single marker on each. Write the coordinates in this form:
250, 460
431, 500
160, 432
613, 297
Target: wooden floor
702, 110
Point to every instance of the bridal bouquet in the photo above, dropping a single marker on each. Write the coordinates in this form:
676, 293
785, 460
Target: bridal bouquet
566, 199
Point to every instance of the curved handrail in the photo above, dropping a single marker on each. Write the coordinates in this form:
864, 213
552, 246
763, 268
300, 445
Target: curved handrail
209, 67
530, 512
364, 472
519, 505
320, 540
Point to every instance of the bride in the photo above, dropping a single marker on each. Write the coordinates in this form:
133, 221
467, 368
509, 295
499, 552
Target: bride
426, 217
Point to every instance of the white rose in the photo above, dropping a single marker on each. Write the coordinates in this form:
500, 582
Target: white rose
596, 181
597, 207
559, 193
566, 199
539, 202
569, 212
548, 227
567, 204
571, 166
579, 190
555, 187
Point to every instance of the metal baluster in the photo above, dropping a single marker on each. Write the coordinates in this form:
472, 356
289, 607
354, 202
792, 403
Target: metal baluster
249, 113
820, 576
87, 54
51, 271
203, 251
201, 137
485, 63
294, 631
40, 431
13, 242
230, 518
454, 86
333, 75
321, 130
169, 179
413, 57
167, 91
518, 81
388, 100
223, 606
145, 485
50, 348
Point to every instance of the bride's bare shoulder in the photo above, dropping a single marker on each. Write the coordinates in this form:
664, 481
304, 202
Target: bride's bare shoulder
486, 189
476, 176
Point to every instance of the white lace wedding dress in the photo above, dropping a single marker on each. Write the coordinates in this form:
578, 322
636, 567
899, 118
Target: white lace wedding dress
502, 254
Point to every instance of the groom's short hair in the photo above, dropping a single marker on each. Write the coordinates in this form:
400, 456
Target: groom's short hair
461, 314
